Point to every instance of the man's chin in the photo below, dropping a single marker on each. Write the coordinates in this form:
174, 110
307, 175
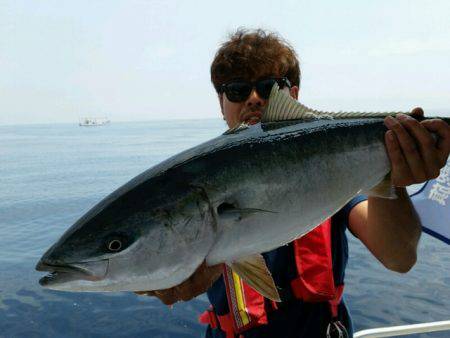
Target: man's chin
251, 117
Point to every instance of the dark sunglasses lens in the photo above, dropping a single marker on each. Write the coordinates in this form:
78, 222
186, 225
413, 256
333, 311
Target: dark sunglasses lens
264, 87
238, 91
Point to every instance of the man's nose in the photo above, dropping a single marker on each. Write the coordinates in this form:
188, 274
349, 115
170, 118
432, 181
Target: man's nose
255, 100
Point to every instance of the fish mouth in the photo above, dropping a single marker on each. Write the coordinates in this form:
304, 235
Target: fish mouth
63, 274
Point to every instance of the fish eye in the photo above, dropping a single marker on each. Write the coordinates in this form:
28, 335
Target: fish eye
114, 245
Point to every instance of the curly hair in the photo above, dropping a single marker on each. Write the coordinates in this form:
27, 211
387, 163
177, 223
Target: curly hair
254, 54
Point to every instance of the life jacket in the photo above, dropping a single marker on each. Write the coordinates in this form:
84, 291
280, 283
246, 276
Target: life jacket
314, 283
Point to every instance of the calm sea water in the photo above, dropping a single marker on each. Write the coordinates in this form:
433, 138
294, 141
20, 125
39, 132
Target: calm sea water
51, 174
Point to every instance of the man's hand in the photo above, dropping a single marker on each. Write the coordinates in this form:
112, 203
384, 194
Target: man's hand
416, 156
200, 281
390, 229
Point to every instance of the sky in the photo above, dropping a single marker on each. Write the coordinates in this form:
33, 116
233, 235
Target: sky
149, 60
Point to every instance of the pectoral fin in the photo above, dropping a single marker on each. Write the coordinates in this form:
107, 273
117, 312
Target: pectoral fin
384, 189
228, 211
254, 272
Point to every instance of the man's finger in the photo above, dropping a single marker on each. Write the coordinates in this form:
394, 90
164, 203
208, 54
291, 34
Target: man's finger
418, 111
400, 173
167, 296
199, 282
426, 144
145, 293
442, 130
408, 148
186, 290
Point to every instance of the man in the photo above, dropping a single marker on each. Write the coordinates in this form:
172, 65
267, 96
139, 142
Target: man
243, 70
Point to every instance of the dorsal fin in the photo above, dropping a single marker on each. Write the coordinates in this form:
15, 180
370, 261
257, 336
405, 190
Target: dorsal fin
282, 107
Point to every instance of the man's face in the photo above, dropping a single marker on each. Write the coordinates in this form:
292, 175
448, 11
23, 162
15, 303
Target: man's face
250, 110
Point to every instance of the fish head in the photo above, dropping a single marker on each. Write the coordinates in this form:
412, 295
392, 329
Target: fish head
81, 257
138, 250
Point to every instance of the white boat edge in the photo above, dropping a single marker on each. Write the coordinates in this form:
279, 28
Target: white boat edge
393, 331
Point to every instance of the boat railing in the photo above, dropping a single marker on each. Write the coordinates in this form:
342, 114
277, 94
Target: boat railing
393, 331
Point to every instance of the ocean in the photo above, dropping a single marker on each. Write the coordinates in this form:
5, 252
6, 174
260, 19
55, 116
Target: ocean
50, 175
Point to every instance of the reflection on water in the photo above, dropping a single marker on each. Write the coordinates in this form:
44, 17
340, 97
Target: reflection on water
51, 175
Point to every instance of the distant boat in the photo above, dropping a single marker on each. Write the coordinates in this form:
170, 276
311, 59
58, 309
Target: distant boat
93, 121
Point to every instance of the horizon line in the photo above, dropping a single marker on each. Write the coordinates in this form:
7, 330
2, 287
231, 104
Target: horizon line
113, 122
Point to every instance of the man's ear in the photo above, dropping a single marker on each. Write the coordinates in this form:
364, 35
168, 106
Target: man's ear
220, 97
294, 91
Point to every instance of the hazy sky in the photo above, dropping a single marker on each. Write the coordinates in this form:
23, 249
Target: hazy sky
142, 60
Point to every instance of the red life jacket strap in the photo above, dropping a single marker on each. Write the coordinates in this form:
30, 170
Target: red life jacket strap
247, 306
225, 322
209, 317
313, 258
314, 283
334, 303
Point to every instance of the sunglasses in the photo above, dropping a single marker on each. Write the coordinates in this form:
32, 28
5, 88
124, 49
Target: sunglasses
239, 90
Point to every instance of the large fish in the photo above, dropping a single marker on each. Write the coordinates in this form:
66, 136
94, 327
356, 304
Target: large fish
248, 191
